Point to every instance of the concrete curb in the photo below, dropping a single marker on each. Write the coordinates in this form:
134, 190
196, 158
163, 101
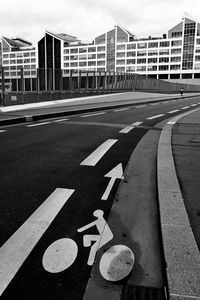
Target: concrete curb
180, 249
37, 117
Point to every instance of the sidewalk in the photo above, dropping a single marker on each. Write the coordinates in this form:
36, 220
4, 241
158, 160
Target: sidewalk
179, 189
59, 108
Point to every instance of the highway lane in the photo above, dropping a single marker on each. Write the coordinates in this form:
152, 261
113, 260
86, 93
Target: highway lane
38, 159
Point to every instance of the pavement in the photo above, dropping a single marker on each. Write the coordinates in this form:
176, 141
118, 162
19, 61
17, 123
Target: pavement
175, 145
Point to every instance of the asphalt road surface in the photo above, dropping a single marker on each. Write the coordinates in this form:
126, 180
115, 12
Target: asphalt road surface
43, 162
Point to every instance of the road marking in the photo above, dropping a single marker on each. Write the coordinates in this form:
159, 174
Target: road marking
121, 109
171, 122
38, 124
95, 156
91, 115
165, 102
61, 120
2, 131
193, 105
185, 107
140, 106
130, 127
17, 248
115, 173
155, 103
173, 111
154, 117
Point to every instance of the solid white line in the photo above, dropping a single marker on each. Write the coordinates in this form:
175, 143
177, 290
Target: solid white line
17, 248
154, 117
185, 107
2, 131
91, 115
60, 120
140, 106
155, 103
95, 156
173, 111
38, 124
130, 127
121, 109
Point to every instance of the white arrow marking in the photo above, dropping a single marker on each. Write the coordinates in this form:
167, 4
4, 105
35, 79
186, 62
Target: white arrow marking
17, 248
115, 173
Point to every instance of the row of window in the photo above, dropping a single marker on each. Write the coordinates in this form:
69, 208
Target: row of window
149, 61
149, 53
84, 64
19, 61
19, 67
163, 44
18, 73
148, 68
19, 54
85, 56
84, 49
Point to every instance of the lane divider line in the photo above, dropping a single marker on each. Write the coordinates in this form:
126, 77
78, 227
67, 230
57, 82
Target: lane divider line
121, 109
18, 247
154, 117
61, 120
2, 131
173, 111
38, 124
193, 105
91, 115
96, 155
155, 103
130, 127
140, 106
185, 107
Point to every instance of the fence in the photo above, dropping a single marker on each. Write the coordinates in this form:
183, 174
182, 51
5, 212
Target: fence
26, 86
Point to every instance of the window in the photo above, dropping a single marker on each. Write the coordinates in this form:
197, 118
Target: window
141, 45
26, 61
197, 58
33, 60
73, 64
32, 53
131, 54
12, 55
91, 56
82, 50
101, 63
91, 63
152, 60
130, 69
73, 57
121, 47
163, 59
82, 64
141, 68
164, 44
101, 48
164, 52
66, 58
82, 56
99, 56
26, 54
66, 65
33, 66
198, 41
152, 53
20, 61
176, 43
141, 61
152, 68
121, 62
19, 54
121, 40
141, 53
92, 49
153, 45
163, 67
13, 61
176, 51
198, 50
176, 59
5, 55
131, 46
73, 50
100, 41
66, 51
130, 61
176, 34
120, 69
120, 54
27, 67
197, 66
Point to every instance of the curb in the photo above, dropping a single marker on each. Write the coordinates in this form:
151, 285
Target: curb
180, 249
30, 118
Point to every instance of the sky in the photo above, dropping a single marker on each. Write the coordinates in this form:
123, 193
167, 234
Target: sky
86, 19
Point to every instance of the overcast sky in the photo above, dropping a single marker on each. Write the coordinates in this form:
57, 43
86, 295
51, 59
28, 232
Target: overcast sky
87, 19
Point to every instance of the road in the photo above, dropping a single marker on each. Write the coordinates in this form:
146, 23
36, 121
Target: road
73, 154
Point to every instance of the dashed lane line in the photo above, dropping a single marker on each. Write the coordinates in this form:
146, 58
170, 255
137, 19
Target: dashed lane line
140, 106
121, 109
95, 156
155, 103
18, 247
193, 105
130, 127
38, 124
154, 117
61, 120
185, 107
91, 115
1, 131
173, 111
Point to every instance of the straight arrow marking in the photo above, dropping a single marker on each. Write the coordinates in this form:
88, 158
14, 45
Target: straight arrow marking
17, 248
115, 173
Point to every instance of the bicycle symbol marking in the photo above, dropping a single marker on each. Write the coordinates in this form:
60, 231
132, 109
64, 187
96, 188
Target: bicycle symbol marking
61, 254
